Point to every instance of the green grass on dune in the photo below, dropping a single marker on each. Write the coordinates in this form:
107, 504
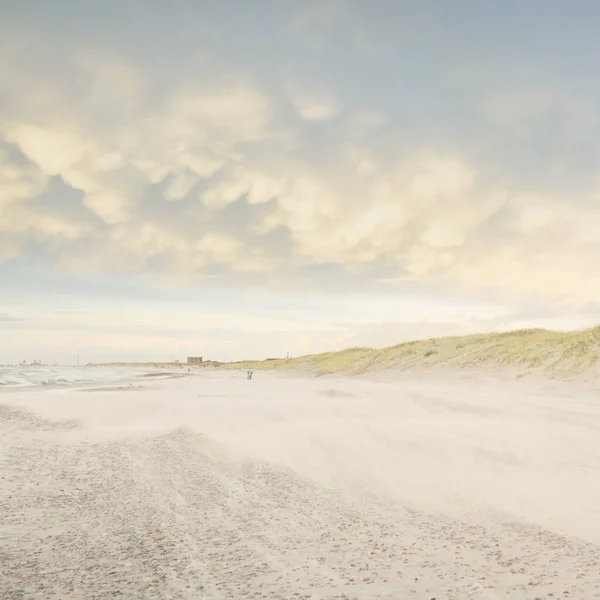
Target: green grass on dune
552, 352
555, 353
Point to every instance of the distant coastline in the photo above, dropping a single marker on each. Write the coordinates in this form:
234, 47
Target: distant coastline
521, 352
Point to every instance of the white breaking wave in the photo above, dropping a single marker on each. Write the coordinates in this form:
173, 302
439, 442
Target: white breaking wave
32, 376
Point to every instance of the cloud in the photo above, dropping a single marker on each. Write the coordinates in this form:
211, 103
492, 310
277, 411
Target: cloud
18, 181
426, 200
194, 137
111, 81
214, 170
219, 119
318, 109
53, 151
6, 318
526, 111
105, 131
239, 182
314, 103
361, 124
323, 13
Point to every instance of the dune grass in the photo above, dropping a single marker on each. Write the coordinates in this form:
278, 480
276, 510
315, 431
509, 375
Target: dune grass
554, 353
559, 354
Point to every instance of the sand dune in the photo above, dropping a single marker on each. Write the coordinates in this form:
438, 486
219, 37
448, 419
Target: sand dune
213, 486
555, 354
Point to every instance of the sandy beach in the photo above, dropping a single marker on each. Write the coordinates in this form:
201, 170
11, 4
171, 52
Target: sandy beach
288, 486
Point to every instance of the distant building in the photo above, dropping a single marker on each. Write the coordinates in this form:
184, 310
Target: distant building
194, 360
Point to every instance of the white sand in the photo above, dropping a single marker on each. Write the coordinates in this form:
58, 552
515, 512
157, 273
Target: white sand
212, 486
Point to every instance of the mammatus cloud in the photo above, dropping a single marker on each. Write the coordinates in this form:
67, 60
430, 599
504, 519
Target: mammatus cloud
230, 175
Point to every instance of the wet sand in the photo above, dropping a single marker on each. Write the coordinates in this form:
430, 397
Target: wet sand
213, 486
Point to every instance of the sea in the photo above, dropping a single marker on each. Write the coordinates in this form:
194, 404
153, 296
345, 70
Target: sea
35, 376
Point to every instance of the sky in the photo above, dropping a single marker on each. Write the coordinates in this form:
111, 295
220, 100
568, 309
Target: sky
234, 179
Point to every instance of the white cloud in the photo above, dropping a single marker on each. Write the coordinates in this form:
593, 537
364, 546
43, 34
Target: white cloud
520, 270
258, 187
237, 256
195, 134
217, 119
111, 208
18, 181
52, 150
219, 247
204, 144
82, 165
180, 185
360, 123
147, 239
43, 226
363, 162
111, 81
110, 161
318, 109
313, 103
522, 111
18, 220
429, 194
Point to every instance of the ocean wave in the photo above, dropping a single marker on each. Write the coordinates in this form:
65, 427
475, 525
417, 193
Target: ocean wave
21, 377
